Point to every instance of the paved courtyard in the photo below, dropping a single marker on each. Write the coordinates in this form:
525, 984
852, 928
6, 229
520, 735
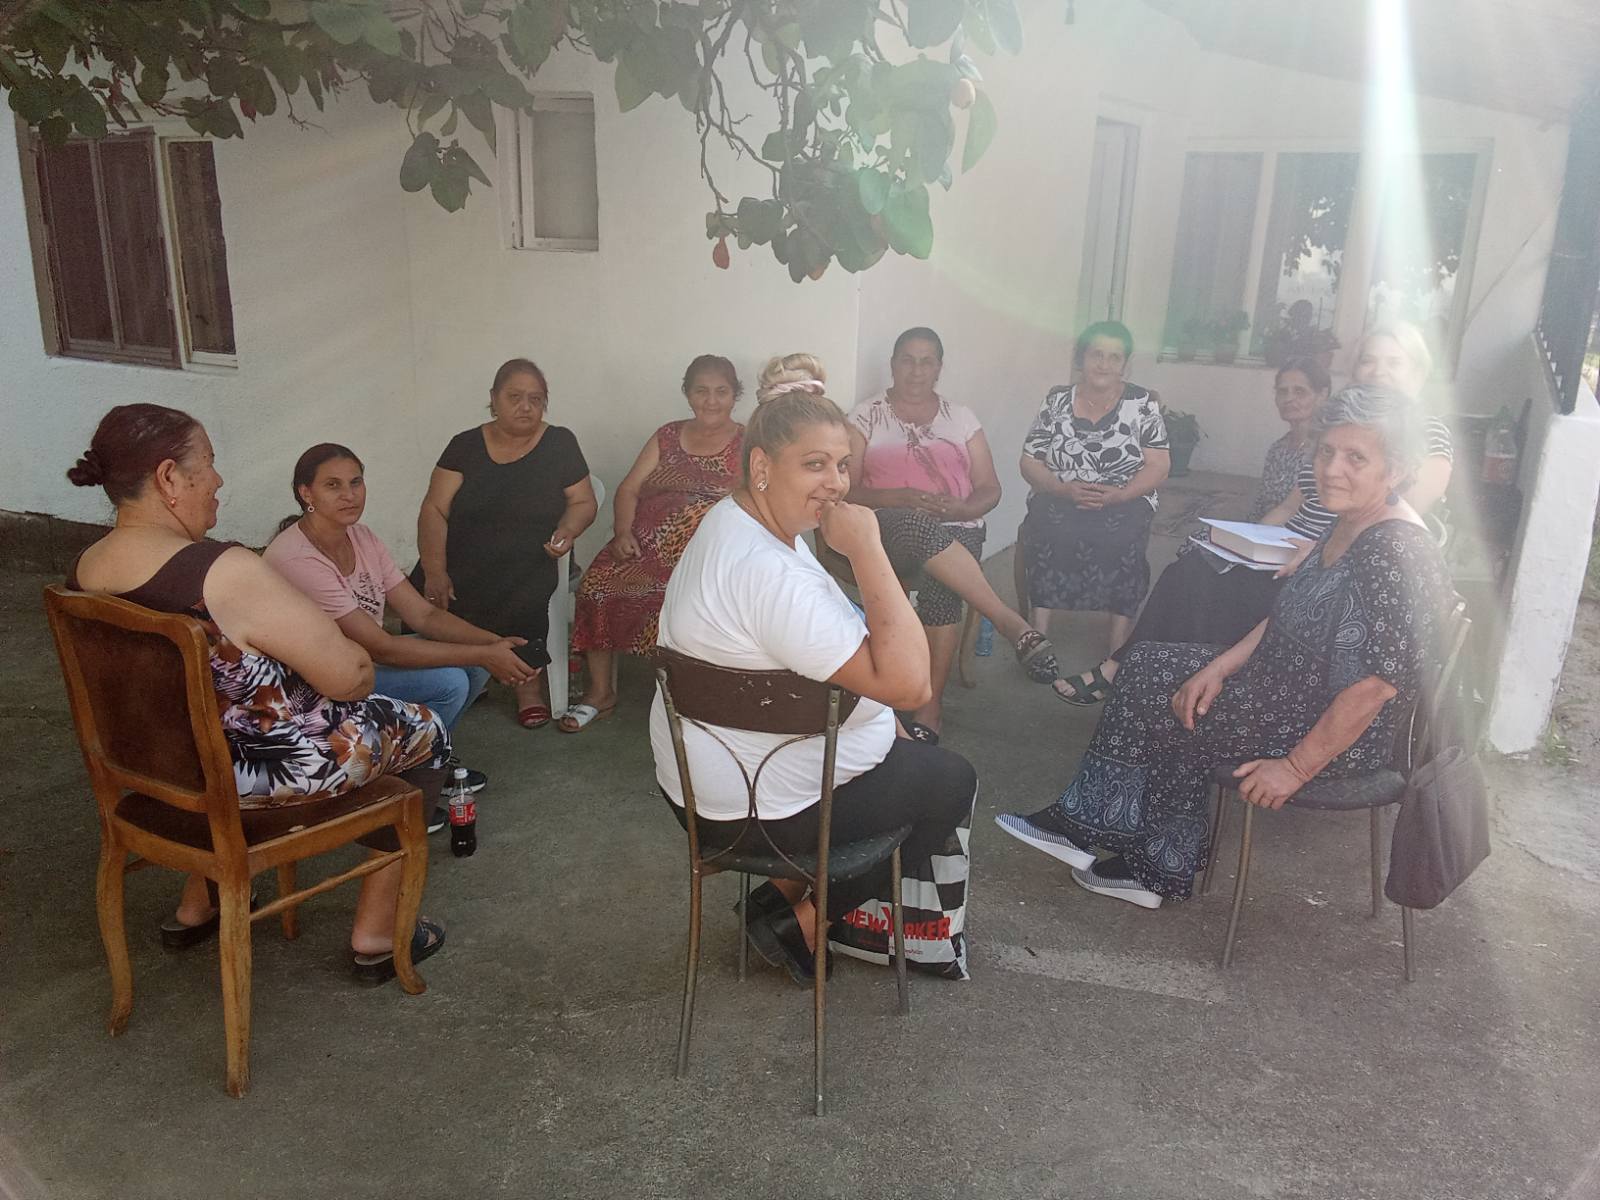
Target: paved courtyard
1097, 1052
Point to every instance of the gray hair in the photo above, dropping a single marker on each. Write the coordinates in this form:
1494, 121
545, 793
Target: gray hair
1389, 413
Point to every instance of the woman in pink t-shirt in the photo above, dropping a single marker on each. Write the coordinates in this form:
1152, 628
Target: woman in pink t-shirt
328, 554
924, 464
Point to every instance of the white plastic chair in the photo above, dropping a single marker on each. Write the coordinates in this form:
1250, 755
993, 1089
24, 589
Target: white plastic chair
561, 610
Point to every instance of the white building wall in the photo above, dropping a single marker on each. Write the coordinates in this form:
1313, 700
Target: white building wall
368, 316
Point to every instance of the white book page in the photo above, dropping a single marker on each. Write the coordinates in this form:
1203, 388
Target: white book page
1264, 535
1227, 555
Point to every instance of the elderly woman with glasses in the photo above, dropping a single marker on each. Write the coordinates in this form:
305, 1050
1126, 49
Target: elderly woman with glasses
506, 500
1319, 687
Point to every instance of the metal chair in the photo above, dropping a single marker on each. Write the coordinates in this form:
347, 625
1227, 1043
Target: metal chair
139, 684
775, 702
1370, 790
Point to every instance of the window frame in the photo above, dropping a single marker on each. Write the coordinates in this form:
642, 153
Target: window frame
1362, 239
162, 133
516, 172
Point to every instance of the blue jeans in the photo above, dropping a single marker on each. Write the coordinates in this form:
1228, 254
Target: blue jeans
445, 690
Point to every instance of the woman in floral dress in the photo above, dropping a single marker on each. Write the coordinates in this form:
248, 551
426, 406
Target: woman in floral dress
685, 468
1318, 688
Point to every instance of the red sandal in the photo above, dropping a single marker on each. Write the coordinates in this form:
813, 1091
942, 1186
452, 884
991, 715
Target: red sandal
535, 716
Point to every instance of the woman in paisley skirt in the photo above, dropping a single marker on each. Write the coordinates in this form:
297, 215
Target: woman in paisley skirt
1318, 688
1094, 458
292, 691
685, 468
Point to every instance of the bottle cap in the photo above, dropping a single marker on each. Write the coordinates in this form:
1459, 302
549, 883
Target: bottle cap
459, 773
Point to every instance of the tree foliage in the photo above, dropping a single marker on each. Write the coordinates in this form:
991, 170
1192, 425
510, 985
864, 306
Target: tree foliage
850, 139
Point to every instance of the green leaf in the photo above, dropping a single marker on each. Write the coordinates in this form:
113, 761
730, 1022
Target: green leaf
831, 28
260, 9
981, 124
477, 109
1002, 23
85, 113
910, 226
932, 22
433, 103
934, 137
421, 163
381, 33
449, 126
872, 187
534, 30
456, 157
776, 146
632, 88
152, 84
55, 130
344, 23
450, 190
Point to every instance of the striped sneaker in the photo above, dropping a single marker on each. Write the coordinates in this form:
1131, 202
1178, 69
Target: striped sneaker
1111, 877
1041, 831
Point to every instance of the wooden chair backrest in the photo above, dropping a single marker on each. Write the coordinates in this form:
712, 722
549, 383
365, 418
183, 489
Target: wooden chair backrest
778, 702
139, 683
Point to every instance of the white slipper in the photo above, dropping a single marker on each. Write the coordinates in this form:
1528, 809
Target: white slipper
581, 715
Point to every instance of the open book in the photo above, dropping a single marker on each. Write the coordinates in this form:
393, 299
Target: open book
1254, 545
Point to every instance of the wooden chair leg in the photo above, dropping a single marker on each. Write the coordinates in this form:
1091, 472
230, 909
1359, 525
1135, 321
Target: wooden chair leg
1219, 823
1239, 884
234, 929
1377, 860
744, 917
291, 916
109, 893
820, 994
413, 831
899, 934
691, 973
1408, 940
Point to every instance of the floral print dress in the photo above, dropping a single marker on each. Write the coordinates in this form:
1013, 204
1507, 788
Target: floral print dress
1141, 787
289, 742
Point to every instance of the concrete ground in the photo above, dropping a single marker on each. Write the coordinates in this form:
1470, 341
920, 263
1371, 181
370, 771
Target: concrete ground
1097, 1052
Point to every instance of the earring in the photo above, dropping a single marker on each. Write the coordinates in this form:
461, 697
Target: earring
1394, 497
761, 486
172, 502
311, 508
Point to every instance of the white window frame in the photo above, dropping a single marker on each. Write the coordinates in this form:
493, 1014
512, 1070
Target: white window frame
1361, 239
515, 129
164, 130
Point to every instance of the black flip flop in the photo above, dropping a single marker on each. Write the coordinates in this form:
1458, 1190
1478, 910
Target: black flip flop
1099, 688
922, 733
175, 935
374, 970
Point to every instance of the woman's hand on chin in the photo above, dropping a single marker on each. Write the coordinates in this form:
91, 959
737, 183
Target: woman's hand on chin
849, 528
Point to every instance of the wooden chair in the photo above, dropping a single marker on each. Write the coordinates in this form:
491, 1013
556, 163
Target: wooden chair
1370, 790
775, 702
139, 684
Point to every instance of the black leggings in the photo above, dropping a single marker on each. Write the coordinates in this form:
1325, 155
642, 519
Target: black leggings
1192, 602
927, 787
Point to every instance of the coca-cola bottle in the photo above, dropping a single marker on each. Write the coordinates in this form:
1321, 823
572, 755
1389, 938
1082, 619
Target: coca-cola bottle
463, 815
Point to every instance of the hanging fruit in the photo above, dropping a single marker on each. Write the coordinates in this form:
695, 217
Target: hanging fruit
963, 92
719, 254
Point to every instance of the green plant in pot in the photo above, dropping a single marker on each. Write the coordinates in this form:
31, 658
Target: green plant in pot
1294, 334
1192, 334
1183, 435
1225, 331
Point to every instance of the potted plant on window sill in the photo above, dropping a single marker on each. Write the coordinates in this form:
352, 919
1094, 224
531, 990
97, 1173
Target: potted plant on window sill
1183, 435
1294, 335
1191, 335
1225, 332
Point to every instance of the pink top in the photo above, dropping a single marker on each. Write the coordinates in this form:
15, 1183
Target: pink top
314, 573
930, 458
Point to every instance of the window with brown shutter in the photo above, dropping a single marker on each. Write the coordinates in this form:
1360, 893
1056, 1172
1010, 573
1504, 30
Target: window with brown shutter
118, 292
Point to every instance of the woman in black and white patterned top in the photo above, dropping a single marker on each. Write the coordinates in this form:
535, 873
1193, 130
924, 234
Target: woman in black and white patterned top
1094, 458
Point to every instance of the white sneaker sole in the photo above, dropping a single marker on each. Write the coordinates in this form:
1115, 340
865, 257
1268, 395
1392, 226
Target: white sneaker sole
1061, 850
1117, 889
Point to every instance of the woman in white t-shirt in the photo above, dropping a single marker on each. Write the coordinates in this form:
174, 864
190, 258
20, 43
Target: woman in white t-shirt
924, 463
748, 594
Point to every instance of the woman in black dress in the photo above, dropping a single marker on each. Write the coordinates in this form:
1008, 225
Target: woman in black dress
506, 500
1318, 688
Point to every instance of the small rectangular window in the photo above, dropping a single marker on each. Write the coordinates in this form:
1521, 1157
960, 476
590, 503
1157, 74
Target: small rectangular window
1312, 197
109, 210
1422, 245
556, 176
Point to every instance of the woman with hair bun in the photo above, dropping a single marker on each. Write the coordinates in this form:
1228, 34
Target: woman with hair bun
685, 468
749, 594
293, 693
923, 462
507, 498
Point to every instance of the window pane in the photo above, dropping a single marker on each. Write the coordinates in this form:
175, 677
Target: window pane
1419, 250
566, 201
78, 265
1312, 195
1215, 224
138, 251
202, 253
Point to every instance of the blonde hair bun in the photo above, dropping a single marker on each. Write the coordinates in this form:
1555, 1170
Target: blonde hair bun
781, 374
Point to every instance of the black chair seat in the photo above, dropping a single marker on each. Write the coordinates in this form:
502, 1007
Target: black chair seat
1369, 789
845, 861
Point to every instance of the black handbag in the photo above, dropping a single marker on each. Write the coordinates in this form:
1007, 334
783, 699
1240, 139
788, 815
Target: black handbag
1442, 833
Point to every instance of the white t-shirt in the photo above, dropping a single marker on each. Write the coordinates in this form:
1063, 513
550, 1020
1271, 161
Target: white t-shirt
739, 599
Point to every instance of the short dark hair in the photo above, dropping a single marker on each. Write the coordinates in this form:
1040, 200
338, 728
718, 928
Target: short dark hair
305, 472
713, 362
1316, 374
918, 333
517, 366
130, 442
1107, 329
